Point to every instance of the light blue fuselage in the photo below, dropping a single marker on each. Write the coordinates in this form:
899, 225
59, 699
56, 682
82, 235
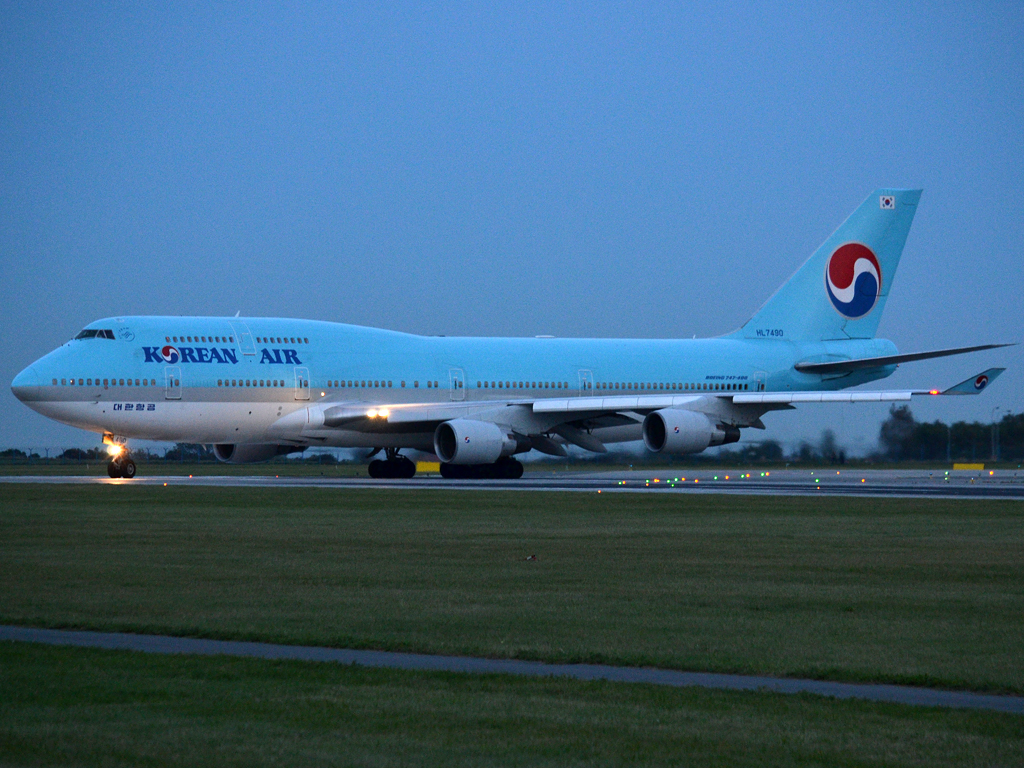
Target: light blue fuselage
182, 361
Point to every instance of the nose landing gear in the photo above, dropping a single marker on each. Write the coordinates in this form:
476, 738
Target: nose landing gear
395, 466
121, 465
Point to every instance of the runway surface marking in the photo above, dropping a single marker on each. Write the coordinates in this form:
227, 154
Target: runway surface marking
997, 484
896, 694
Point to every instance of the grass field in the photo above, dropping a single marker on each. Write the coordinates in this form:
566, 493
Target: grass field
63, 706
923, 592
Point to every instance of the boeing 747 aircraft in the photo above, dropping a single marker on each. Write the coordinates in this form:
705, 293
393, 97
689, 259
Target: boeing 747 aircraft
256, 388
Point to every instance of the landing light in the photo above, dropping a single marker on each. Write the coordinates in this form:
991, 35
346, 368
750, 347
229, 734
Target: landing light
372, 413
114, 450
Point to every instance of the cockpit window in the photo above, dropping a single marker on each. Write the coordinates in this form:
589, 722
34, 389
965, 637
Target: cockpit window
93, 333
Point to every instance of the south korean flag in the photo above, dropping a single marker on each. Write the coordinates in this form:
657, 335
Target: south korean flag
887, 203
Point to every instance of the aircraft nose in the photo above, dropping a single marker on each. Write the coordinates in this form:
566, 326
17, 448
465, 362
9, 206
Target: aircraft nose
24, 384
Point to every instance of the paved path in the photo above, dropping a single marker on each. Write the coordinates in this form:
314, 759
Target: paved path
976, 484
899, 694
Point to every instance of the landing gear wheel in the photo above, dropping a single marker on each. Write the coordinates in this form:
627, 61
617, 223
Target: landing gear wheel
508, 469
502, 469
128, 469
398, 467
114, 469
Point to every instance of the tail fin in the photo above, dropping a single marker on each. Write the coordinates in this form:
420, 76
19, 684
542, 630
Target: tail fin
840, 292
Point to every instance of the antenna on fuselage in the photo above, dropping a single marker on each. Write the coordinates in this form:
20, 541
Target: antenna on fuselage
238, 313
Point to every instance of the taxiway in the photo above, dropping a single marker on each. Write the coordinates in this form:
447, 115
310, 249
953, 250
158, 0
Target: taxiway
975, 484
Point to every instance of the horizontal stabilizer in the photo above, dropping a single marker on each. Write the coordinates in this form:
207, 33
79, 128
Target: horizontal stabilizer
975, 384
845, 366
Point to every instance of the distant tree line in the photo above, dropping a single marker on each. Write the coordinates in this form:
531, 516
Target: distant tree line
185, 453
903, 438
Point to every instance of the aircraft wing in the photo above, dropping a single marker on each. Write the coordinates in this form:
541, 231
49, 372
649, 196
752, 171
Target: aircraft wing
573, 418
647, 403
846, 366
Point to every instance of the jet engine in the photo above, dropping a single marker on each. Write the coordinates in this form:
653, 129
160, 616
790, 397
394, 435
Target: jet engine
673, 430
250, 453
466, 441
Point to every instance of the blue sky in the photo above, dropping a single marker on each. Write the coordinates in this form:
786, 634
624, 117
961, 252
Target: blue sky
507, 169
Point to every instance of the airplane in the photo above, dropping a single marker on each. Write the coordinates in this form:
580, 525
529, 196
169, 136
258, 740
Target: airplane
260, 387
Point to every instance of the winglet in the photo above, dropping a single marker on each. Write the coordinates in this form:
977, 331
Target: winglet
975, 384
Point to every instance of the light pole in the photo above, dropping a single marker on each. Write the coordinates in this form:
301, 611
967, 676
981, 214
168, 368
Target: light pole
995, 435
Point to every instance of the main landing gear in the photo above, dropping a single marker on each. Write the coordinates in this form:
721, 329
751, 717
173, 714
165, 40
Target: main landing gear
503, 469
395, 466
121, 465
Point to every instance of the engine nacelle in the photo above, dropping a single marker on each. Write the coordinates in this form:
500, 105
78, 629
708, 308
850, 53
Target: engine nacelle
250, 453
673, 430
466, 441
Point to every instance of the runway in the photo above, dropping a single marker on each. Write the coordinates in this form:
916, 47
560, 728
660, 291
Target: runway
896, 694
952, 484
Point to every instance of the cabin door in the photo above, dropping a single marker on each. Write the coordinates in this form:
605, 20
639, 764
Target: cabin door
302, 383
586, 383
172, 383
243, 337
458, 383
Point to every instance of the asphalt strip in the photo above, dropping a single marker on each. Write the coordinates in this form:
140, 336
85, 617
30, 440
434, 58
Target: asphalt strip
897, 694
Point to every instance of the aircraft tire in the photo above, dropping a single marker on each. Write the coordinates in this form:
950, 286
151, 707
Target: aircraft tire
401, 467
502, 469
513, 470
456, 471
128, 469
114, 469
507, 469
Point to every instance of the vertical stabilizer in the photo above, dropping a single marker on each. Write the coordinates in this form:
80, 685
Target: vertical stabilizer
840, 292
